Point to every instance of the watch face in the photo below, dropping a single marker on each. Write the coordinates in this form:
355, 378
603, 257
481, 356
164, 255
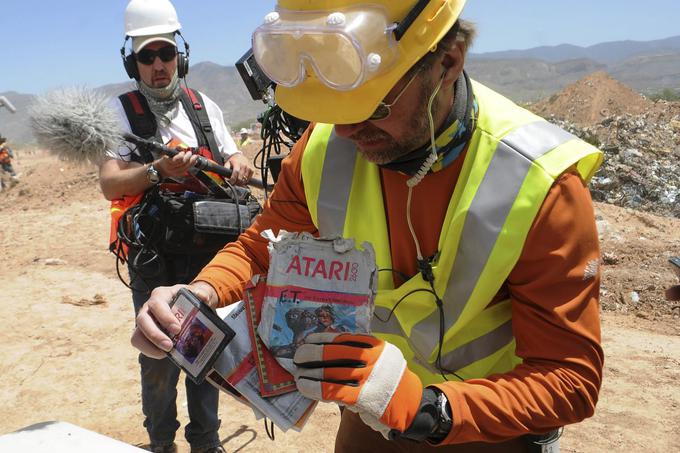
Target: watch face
153, 175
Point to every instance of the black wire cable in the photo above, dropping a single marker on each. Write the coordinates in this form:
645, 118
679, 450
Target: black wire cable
442, 324
269, 428
143, 241
279, 130
402, 275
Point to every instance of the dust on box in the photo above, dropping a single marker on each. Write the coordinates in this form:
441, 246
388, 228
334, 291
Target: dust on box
315, 285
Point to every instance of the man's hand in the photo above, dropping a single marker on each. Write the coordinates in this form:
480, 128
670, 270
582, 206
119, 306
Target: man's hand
366, 374
241, 169
155, 318
176, 166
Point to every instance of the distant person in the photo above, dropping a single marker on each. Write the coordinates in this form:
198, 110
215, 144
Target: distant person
244, 138
160, 108
6, 156
486, 331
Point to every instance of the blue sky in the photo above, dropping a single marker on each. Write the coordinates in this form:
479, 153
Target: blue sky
48, 44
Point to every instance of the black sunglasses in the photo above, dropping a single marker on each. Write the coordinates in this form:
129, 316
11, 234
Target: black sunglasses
148, 56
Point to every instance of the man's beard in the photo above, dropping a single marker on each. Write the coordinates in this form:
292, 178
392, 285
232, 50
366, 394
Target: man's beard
418, 133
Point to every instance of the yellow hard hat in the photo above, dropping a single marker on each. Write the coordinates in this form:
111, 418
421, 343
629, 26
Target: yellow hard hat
313, 99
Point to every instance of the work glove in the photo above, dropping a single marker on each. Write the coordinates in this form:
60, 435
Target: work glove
364, 373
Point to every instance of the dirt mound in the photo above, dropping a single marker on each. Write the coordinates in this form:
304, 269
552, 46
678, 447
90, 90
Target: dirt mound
640, 140
592, 99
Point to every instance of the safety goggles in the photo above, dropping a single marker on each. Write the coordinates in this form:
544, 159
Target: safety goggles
148, 56
344, 48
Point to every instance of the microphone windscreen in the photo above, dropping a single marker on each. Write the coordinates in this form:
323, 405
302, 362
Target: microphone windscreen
76, 124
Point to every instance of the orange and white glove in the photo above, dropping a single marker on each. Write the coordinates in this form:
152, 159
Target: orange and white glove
364, 373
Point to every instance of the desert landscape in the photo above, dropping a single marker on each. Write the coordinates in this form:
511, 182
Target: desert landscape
68, 318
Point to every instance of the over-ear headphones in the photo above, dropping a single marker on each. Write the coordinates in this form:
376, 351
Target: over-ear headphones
130, 62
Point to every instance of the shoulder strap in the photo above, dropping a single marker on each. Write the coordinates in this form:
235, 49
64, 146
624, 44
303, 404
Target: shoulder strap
195, 108
142, 121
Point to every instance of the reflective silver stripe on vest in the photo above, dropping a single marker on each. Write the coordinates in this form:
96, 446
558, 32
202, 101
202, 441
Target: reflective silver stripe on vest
487, 215
336, 184
384, 321
478, 348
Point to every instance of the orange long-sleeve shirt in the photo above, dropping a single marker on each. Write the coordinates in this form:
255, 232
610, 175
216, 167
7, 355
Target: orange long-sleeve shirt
554, 290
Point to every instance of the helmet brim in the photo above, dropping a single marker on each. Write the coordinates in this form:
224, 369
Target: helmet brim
154, 30
314, 101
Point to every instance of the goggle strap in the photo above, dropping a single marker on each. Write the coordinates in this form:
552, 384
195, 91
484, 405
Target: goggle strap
411, 17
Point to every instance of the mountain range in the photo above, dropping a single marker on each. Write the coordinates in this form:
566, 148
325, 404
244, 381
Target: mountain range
522, 75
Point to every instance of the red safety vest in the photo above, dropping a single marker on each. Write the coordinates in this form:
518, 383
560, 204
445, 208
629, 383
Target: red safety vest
5, 158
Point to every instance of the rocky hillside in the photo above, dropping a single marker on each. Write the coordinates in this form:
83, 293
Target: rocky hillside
532, 74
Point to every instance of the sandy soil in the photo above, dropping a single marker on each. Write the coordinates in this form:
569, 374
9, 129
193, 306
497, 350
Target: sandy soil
66, 353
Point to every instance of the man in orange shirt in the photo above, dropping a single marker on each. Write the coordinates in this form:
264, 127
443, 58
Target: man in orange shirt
6, 156
486, 333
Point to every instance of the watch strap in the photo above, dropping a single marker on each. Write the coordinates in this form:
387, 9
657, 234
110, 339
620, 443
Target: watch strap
445, 418
424, 423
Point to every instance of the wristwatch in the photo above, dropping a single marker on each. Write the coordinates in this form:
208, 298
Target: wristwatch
433, 421
445, 419
152, 174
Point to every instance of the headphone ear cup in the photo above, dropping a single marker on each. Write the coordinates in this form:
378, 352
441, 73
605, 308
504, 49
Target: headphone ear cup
130, 64
182, 65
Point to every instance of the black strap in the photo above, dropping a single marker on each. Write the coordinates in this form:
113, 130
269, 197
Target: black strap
142, 123
198, 115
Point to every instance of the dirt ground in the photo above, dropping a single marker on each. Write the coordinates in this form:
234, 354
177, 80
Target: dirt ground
66, 352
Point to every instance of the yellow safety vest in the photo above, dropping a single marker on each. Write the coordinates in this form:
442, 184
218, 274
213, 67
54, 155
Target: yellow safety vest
242, 143
513, 159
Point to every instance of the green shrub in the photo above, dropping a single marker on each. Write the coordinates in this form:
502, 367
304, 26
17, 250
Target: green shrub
667, 94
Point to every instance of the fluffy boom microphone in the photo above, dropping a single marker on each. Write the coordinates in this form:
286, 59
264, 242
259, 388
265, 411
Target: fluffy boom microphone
76, 124
79, 125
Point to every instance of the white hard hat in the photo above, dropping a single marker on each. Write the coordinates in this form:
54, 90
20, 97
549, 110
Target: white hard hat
244, 131
150, 17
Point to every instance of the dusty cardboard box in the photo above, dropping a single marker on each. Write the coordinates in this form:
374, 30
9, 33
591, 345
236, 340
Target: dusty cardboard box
315, 285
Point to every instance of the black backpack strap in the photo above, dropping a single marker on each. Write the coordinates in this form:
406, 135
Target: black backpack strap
142, 122
195, 108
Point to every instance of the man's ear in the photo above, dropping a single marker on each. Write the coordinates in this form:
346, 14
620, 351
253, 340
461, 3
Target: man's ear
453, 62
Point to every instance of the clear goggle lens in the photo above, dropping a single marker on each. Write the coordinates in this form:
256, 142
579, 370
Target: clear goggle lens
343, 49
